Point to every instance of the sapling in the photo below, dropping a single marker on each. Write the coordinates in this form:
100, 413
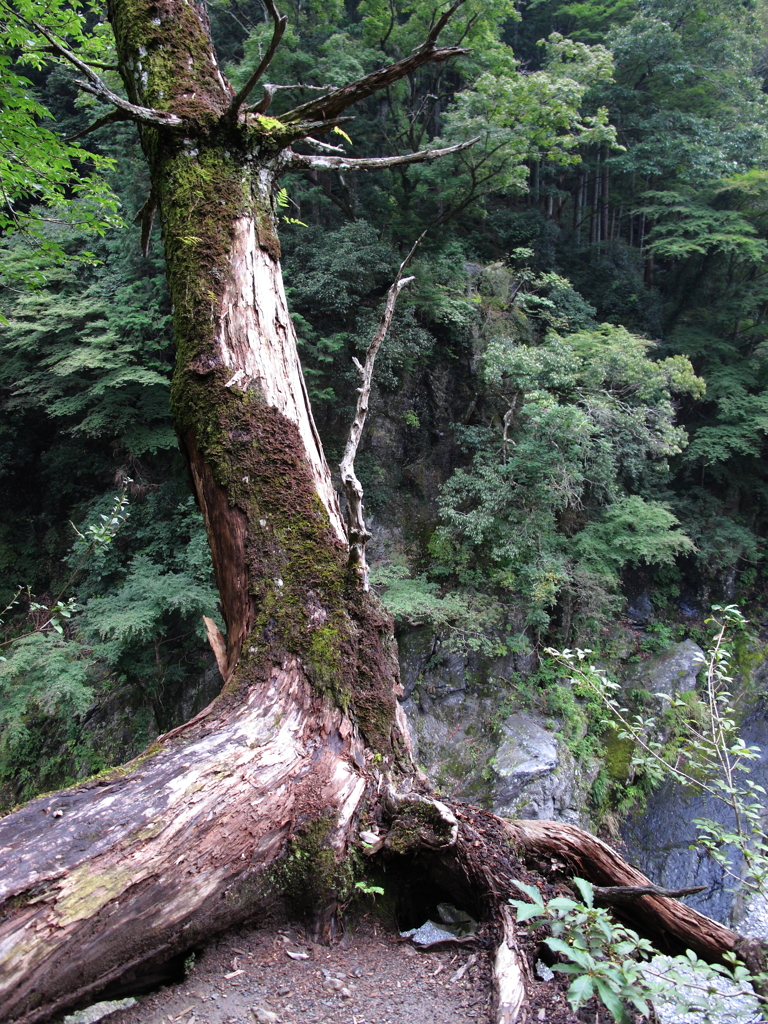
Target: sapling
708, 755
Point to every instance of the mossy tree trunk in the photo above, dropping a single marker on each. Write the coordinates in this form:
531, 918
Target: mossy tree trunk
142, 863
222, 817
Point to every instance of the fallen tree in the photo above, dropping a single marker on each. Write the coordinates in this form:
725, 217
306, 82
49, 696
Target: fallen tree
263, 795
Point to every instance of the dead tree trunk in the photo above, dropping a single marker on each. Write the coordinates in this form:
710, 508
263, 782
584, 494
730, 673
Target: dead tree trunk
307, 740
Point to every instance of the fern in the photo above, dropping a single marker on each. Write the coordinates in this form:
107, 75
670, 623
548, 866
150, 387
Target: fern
342, 133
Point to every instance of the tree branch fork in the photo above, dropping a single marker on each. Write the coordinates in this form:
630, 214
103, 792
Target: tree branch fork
320, 114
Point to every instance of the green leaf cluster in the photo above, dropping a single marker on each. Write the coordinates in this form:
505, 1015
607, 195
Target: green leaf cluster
559, 493
610, 962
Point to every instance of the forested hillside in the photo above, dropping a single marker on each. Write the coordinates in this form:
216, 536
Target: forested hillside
569, 413
563, 450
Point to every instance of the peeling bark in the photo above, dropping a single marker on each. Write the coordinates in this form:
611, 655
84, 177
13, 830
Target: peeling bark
256, 340
511, 974
143, 863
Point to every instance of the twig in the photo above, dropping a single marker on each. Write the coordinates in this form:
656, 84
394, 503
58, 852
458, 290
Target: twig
110, 118
353, 489
280, 21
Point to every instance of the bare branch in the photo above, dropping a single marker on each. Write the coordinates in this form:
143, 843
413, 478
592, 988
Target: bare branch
110, 118
338, 100
99, 88
614, 895
277, 35
344, 163
270, 89
133, 112
323, 147
319, 127
93, 63
428, 53
353, 489
439, 25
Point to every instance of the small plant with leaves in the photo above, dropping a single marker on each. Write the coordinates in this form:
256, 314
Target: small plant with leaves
369, 890
612, 963
708, 755
283, 200
96, 537
602, 956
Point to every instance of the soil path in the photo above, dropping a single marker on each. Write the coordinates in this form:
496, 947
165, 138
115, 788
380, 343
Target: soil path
372, 977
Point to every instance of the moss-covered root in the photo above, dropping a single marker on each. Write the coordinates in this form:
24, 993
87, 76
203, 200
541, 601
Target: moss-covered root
418, 823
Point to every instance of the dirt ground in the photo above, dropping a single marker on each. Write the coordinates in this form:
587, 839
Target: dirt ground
371, 977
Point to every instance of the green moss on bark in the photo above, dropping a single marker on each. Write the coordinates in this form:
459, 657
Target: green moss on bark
417, 824
293, 597
167, 58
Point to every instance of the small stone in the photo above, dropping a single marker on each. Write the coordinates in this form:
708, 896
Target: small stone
357, 972
544, 971
264, 1016
345, 993
283, 991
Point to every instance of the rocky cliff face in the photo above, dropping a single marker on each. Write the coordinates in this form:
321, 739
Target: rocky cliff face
474, 744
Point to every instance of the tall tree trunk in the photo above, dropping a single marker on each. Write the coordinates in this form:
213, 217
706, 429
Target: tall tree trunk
309, 660
238, 397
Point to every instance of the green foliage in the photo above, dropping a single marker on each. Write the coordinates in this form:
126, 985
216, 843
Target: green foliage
608, 961
87, 361
632, 531
601, 956
47, 182
125, 626
135, 622
43, 674
369, 890
705, 751
466, 623
543, 511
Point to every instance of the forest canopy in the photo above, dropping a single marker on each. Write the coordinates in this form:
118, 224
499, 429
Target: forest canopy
565, 446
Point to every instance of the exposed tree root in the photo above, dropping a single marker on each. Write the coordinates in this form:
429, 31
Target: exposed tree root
510, 973
197, 836
672, 926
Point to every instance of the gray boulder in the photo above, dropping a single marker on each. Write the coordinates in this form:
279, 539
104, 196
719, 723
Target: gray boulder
672, 672
536, 776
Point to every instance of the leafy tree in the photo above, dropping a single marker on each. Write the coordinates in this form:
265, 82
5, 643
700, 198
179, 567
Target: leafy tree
41, 174
550, 503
